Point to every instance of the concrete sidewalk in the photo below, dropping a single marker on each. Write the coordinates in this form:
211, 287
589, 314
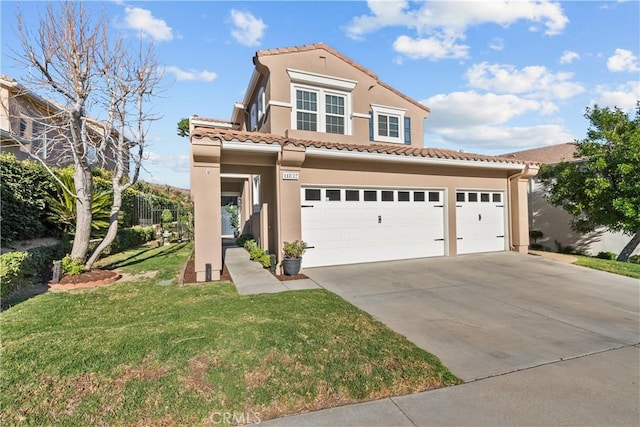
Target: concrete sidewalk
251, 278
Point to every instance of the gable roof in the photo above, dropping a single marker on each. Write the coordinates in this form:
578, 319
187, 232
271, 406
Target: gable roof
408, 151
550, 154
320, 45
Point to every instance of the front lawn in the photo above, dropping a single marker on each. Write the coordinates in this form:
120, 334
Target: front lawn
149, 352
623, 268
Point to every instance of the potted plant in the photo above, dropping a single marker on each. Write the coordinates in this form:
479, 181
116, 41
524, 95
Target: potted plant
292, 259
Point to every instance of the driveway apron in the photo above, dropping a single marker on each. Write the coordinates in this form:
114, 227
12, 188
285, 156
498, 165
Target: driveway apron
490, 314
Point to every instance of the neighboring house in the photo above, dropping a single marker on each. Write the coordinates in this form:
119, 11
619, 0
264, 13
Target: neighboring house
554, 222
322, 150
32, 125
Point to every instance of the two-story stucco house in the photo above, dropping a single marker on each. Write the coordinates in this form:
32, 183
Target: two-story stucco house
31, 125
322, 150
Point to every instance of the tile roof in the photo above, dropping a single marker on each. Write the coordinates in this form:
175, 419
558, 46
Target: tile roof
349, 61
395, 149
550, 154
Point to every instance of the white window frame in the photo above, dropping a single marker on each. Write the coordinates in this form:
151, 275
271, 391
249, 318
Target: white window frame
388, 111
322, 85
321, 122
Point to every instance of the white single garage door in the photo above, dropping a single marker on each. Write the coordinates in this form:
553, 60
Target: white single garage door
480, 221
353, 225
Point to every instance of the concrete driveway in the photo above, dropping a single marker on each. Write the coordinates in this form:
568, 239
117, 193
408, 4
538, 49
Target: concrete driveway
491, 314
538, 342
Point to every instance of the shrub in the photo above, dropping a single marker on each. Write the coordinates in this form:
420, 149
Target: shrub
130, 238
250, 245
240, 241
22, 267
606, 255
634, 259
24, 187
265, 260
71, 267
294, 249
257, 254
12, 266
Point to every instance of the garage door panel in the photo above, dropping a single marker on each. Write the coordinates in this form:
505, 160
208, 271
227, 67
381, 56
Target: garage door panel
347, 231
480, 225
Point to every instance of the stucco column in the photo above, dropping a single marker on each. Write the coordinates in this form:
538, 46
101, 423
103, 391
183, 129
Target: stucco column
290, 215
206, 193
518, 189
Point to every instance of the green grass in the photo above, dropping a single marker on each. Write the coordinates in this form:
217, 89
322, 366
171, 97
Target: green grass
622, 268
145, 354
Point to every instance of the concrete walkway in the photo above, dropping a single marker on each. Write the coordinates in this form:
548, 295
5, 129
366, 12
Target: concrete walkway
251, 278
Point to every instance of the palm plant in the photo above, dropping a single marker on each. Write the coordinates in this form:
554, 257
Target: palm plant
63, 206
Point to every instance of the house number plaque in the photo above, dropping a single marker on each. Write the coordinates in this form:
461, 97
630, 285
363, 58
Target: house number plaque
291, 176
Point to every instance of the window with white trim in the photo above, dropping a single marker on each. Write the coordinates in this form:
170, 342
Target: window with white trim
388, 124
321, 103
321, 110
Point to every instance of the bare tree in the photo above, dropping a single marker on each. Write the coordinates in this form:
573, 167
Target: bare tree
73, 58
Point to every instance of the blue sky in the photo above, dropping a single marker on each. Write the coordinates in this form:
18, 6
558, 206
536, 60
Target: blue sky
498, 76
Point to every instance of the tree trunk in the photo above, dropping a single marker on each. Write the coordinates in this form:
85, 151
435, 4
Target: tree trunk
83, 181
112, 231
631, 246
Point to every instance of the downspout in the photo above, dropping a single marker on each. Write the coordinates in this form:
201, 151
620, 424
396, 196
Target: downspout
516, 175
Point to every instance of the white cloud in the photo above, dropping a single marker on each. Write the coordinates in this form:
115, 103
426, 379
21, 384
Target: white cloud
480, 121
173, 162
535, 81
191, 75
463, 109
441, 24
429, 48
483, 139
143, 21
497, 44
248, 30
623, 60
568, 57
623, 96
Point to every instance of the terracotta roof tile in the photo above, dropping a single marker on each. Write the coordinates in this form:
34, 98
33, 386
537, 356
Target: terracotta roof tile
266, 138
349, 61
550, 154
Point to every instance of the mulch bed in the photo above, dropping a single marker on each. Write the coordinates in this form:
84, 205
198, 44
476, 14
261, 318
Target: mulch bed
86, 279
284, 277
190, 273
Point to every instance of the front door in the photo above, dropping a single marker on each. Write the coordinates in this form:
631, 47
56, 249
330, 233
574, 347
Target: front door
229, 210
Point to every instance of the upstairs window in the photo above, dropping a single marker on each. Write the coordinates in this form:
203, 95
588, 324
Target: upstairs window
321, 103
388, 124
321, 110
306, 110
334, 114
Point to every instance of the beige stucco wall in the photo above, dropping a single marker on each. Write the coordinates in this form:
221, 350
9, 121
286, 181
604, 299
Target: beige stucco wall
555, 223
323, 172
277, 84
278, 217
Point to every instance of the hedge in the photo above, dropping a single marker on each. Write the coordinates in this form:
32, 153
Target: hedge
130, 238
20, 268
24, 187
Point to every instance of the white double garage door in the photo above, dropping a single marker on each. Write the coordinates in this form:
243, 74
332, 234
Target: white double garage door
354, 225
